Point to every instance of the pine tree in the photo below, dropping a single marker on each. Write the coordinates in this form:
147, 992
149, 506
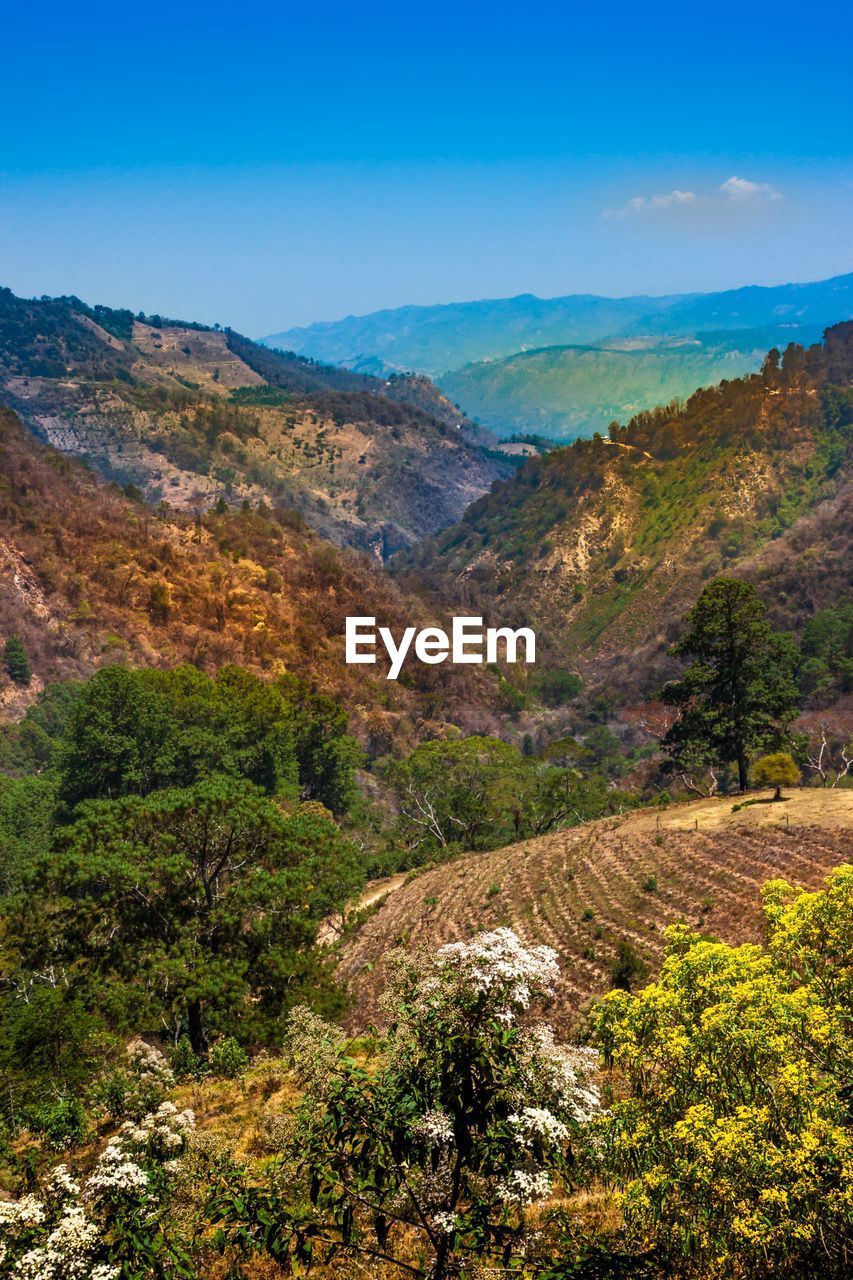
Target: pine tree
738, 695
16, 661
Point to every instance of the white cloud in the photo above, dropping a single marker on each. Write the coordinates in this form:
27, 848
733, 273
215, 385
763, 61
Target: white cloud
735, 188
652, 204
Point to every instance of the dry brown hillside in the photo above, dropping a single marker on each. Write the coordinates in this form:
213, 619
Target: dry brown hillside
189, 414
585, 890
88, 577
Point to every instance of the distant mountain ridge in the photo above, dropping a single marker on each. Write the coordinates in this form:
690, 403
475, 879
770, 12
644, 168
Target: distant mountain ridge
433, 340
573, 391
436, 339
567, 367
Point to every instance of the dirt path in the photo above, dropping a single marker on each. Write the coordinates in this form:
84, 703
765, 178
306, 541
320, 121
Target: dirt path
332, 928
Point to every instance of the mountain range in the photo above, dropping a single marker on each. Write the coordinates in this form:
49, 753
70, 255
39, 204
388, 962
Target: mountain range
198, 496
566, 367
187, 414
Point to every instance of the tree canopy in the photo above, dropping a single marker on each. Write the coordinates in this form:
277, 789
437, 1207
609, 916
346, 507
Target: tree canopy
193, 908
738, 694
733, 1147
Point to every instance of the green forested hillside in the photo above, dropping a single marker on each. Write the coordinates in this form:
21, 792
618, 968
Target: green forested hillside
565, 392
604, 543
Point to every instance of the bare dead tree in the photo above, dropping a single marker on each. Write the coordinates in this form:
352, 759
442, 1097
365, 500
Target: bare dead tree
821, 764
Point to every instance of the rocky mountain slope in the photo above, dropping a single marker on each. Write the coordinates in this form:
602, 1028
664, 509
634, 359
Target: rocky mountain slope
604, 545
88, 576
617, 881
188, 414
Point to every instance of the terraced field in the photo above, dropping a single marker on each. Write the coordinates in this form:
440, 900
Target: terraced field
585, 890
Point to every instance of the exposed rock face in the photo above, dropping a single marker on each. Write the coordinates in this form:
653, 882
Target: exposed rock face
188, 414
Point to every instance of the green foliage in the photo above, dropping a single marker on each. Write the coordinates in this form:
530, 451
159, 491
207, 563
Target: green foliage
733, 1147
29, 747
185, 1062
63, 1122
136, 1086
227, 1058
602, 753
27, 807
155, 871
460, 1123
556, 688
776, 770
738, 695
135, 732
50, 1039
479, 793
327, 757
16, 662
628, 969
191, 907
826, 668
117, 1221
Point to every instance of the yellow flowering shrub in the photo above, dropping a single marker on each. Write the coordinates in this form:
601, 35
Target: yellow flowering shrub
731, 1140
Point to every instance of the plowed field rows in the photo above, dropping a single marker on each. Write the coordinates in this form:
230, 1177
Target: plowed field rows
585, 890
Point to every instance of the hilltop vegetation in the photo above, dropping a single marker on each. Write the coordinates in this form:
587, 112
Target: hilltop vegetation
188, 414
604, 545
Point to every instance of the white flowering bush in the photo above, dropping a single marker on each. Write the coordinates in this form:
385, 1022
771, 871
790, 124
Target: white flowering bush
464, 1119
499, 972
139, 1085
113, 1223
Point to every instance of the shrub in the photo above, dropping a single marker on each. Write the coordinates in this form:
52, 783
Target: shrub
441, 1146
186, 1064
730, 1142
227, 1058
63, 1122
556, 688
628, 968
777, 770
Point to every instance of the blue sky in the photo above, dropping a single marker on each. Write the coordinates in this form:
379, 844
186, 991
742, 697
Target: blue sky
269, 165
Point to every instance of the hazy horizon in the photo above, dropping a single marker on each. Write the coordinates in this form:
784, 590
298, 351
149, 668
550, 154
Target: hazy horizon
299, 166
485, 299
